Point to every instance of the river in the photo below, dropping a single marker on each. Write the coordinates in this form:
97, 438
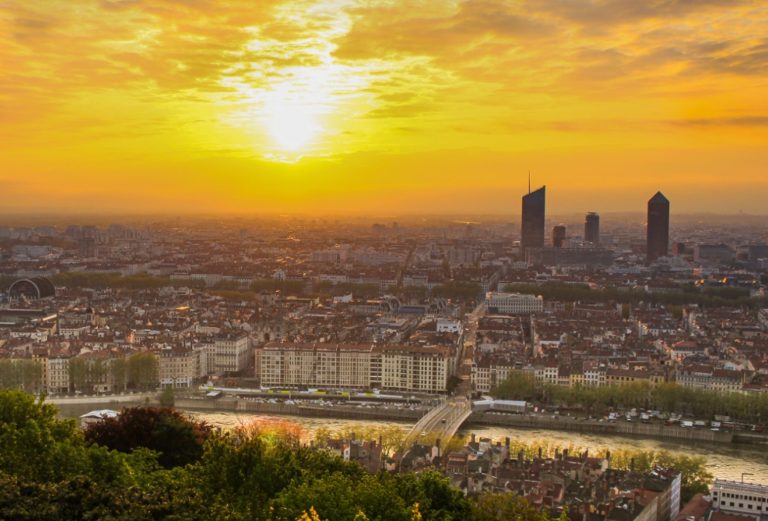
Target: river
723, 461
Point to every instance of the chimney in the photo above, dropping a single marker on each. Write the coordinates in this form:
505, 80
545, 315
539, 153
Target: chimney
539, 452
565, 454
632, 464
473, 437
507, 442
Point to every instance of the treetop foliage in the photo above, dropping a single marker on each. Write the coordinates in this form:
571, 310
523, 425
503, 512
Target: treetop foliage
154, 463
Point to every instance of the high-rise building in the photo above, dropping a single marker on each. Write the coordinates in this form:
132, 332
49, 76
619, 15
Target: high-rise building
558, 236
592, 228
533, 220
658, 227
87, 246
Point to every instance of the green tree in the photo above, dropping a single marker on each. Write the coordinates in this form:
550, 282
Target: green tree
520, 385
436, 498
36, 446
177, 439
143, 371
78, 373
496, 507
119, 369
167, 397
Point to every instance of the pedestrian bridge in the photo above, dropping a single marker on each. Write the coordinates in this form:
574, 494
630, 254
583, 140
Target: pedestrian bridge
439, 425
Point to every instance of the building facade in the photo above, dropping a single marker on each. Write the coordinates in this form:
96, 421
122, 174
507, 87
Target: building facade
657, 244
558, 236
592, 228
740, 498
353, 366
179, 368
532, 232
231, 353
514, 303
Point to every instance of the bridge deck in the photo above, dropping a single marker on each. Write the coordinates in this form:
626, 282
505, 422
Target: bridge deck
441, 423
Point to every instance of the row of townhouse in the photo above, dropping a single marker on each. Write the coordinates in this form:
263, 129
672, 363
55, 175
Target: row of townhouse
109, 370
486, 376
356, 366
708, 378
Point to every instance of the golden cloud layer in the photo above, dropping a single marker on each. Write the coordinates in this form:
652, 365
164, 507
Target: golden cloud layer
381, 106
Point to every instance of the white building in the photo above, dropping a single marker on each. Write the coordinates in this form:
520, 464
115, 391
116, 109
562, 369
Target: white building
231, 353
57, 375
394, 367
740, 498
445, 325
514, 303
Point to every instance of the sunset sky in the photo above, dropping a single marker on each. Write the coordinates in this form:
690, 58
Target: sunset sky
382, 107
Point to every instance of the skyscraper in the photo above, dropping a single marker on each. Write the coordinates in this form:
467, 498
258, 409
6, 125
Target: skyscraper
592, 228
558, 236
658, 227
533, 220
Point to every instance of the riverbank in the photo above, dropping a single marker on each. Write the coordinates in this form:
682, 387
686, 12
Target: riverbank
659, 431
132, 398
725, 461
284, 409
519, 421
619, 428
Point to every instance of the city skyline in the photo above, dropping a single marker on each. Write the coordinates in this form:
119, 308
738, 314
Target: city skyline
350, 107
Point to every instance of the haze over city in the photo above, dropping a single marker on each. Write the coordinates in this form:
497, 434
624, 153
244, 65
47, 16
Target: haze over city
361, 107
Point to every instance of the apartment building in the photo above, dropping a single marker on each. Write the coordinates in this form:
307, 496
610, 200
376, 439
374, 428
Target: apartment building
57, 374
740, 498
231, 353
179, 367
708, 378
358, 366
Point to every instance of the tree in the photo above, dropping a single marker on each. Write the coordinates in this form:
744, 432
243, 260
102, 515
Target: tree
520, 385
37, 446
167, 397
178, 439
143, 371
436, 498
119, 370
78, 373
453, 383
331, 497
21, 374
494, 507
695, 476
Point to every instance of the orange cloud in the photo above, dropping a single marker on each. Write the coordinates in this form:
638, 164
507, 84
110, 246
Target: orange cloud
361, 106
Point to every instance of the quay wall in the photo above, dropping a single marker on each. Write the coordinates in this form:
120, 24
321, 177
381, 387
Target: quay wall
636, 429
344, 413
